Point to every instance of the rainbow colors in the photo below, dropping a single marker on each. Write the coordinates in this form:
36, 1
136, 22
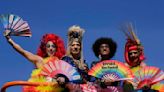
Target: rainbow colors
54, 67
148, 75
16, 25
111, 67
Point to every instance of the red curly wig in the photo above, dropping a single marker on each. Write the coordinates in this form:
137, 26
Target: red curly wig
60, 52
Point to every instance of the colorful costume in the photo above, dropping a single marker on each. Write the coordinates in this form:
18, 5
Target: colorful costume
37, 77
75, 34
82, 72
115, 86
36, 73
146, 77
51, 46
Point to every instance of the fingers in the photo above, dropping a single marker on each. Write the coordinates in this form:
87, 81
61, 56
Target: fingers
6, 33
61, 80
82, 66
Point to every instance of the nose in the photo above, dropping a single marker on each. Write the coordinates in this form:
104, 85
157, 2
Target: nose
104, 47
51, 48
132, 54
75, 46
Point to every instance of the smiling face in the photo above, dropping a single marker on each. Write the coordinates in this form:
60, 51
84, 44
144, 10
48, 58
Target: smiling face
75, 48
50, 48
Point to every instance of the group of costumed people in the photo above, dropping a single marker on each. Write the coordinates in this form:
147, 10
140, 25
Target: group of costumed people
60, 70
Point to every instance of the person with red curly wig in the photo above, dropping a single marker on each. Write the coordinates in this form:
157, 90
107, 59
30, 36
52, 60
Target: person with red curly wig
51, 47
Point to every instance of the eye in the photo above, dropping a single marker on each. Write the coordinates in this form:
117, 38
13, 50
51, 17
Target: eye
54, 46
135, 52
47, 46
130, 53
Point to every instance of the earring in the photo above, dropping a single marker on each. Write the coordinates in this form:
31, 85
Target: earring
100, 57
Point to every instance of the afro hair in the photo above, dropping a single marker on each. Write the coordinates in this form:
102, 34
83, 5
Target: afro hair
104, 40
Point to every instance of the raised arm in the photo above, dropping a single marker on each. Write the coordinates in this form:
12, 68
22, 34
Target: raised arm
35, 59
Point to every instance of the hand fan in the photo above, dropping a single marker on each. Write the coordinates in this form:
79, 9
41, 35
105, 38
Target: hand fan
54, 67
148, 76
112, 69
16, 25
88, 88
158, 86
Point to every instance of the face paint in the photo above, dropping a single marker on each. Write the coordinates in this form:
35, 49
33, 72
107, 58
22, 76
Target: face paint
50, 48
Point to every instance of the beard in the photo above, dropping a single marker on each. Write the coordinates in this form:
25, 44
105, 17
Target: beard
134, 59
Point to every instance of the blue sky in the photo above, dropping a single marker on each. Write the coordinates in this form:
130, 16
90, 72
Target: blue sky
100, 18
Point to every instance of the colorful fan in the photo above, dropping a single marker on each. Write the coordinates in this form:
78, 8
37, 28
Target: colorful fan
158, 86
112, 69
88, 87
148, 76
54, 67
16, 25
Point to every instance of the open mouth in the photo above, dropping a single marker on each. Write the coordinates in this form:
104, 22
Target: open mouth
51, 51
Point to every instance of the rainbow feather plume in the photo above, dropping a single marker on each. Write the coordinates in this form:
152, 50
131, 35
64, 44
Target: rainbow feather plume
16, 25
112, 69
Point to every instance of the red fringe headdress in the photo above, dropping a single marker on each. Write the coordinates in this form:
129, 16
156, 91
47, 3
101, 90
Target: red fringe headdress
133, 43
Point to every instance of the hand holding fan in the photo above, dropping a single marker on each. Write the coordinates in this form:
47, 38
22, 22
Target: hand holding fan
148, 76
16, 25
111, 69
54, 67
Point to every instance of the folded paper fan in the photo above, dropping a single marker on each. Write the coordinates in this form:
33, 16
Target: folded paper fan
112, 69
16, 25
148, 76
54, 67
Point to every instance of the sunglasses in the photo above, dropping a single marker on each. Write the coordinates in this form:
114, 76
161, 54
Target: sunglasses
50, 45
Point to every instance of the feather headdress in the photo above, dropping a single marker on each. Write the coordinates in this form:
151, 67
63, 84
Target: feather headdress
75, 33
133, 43
128, 30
